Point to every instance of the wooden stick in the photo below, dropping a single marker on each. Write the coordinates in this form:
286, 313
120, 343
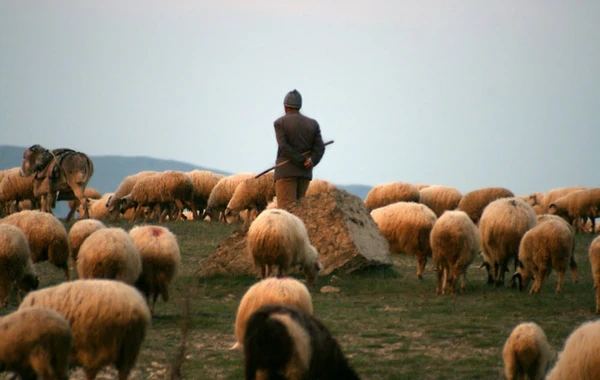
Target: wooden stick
286, 161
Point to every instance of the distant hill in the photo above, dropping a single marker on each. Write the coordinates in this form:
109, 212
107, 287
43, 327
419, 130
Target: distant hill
109, 171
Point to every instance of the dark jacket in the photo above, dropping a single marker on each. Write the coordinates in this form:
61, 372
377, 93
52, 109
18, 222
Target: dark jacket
297, 134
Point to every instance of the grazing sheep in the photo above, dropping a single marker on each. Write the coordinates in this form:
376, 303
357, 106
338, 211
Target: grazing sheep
502, 226
221, 195
97, 207
391, 192
109, 253
536, 199
579, 358
46, 236
108, 319
526, 353
252, 194
124, 188
318, 186
552, 195
89, 193
577, 205
474, 202
35, 342
454, 243
14, 189
407, 227
279, 239
204, 181
440, 198
161, 189
594, 253
161, 259
286, 291
544, 247
15, 263
286, 342
80, 231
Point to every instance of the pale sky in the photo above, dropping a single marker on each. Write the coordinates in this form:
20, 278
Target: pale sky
461, 93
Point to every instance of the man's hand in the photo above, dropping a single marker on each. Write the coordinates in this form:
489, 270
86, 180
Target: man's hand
308, 163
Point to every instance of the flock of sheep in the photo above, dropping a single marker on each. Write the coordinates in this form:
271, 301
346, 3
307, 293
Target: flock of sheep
535, 231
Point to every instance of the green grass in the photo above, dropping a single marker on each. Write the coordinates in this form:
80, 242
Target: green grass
389, 324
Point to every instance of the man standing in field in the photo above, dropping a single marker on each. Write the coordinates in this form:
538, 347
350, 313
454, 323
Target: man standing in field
296, 134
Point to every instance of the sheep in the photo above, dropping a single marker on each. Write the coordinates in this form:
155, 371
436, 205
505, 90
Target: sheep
536, 199
204, 181
546, 246
572, 264
124, 188
221, 195
14, 188
97, 207
279, 239
35, 342
551, 195
440, 198
391, 192
108, 319
421, 186
80, 231
285, 342
577, 205
474, 202
89, 193
579, 358
526, 353
161, 189
46, 236
287, 291
454, 243
318, 186
252, 194
502, 226
159, 252
109, 253
407, 227
16, 266
594, 254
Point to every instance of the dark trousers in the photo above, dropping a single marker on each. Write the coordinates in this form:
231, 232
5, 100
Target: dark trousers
288, 190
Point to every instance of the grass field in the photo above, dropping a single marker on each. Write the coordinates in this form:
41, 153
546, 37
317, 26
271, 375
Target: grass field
389, 324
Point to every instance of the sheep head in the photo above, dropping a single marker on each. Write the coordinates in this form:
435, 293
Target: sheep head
486, 264
126, 203
521, 277
312, 266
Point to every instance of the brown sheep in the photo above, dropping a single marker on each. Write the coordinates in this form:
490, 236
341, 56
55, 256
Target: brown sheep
474, 202
392, 192
440, 198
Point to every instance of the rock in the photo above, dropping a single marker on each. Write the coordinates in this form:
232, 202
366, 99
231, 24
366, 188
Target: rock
338, 225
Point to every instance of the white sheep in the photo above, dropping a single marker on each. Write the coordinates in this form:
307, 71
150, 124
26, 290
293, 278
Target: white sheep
204, 181
551, 195
502, 226
14, 189
278, 239
440, 198
407, 227
549, 245
123, 189
35, 342
285, 342
221, 195
161, 258
454, 243
252, 194
108, 319
318, 186
526, 353
287, 291
161, 190
80, 231
98, 208
474, 202
579, 359
15, 263
387, 193
577, 205
46, 236
111, 254
594, 255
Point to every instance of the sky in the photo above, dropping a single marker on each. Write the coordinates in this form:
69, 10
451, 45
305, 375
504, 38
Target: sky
467, 94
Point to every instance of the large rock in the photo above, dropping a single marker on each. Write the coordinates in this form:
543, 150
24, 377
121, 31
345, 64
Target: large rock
338, 225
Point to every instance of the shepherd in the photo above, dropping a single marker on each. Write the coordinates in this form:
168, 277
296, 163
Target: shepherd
62, 171
300, 146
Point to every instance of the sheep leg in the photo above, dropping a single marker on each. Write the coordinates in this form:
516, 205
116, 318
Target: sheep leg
421, 262
138, 213
440, 275
180, 208
71, 213
597, 299
561, 275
